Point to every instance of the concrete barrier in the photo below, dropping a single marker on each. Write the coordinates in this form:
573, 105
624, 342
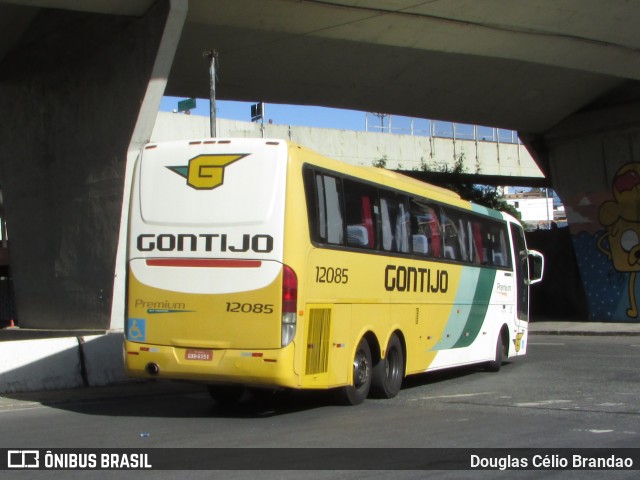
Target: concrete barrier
56, 363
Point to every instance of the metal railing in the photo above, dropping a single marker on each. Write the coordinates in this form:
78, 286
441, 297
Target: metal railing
382, 122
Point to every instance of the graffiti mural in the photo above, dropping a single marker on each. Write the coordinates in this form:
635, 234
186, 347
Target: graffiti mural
608, 250
621, 218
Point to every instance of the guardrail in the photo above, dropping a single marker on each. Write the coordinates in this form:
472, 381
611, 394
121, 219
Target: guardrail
399, 125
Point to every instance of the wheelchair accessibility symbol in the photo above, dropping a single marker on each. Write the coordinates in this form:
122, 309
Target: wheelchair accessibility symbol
136, 329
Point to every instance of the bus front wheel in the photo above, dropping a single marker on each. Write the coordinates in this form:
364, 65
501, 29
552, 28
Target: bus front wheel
356, 393
496, 364
388, 373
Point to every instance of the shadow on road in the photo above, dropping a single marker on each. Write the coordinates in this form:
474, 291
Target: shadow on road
186, 400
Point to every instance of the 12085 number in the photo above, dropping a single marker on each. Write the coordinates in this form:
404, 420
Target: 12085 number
332, 275
236, 307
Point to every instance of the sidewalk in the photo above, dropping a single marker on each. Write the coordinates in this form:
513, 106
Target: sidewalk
35, 360
583, 328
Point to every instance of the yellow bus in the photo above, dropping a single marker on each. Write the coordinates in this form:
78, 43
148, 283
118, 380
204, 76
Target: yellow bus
259, 263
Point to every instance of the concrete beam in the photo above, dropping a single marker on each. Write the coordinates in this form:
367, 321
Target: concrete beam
69, 110
141, 135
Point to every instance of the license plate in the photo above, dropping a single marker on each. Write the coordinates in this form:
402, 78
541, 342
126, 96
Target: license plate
193, 354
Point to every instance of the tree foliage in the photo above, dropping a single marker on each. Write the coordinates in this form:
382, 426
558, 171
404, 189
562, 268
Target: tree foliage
485, 195
381, 162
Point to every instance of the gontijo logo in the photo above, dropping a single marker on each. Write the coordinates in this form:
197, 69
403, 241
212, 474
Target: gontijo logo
206, 172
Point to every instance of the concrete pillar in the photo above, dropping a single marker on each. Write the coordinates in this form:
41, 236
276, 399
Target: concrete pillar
594, 159
76, 92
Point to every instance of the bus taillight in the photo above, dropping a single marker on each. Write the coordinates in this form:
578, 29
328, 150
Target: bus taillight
289, 305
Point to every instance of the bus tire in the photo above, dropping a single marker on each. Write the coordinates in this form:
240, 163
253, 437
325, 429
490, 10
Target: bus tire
356, 393
389, 372
495, 364
226, 395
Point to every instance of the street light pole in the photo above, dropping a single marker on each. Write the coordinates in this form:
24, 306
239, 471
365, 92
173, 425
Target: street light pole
213, 58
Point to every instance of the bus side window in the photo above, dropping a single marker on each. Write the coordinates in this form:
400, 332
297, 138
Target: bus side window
323, 193
359, 203
452, 245
436, 233
335, 225
425, 229
480, 252
504, 248
463, 238
395, 222
496, 246
472, 239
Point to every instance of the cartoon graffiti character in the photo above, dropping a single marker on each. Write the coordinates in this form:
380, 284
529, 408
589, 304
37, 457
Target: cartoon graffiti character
621, 218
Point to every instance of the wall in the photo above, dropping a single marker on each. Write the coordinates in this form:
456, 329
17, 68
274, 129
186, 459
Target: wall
71, 96
560, 295
597, 176
363, 148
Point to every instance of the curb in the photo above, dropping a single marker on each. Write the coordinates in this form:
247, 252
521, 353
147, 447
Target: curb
584, 333
57, 363
584, 328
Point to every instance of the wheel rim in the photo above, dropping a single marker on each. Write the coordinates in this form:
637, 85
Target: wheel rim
361, 369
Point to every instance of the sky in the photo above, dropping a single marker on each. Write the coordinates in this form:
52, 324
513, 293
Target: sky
295, 115
323, 117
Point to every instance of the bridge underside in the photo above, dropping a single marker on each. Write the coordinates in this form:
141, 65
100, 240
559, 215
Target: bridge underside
71, 110
80, 86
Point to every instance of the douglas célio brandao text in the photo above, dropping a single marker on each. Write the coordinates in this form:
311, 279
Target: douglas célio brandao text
551, 461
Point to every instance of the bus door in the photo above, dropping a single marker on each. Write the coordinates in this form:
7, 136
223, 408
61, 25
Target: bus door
522, 286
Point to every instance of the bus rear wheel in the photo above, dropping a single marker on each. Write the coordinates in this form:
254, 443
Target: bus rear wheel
389, 372
226, 395
356, 393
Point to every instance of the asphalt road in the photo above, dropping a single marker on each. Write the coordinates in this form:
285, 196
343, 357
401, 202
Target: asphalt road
568, 392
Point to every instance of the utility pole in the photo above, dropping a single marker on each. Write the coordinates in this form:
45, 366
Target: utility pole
213, 59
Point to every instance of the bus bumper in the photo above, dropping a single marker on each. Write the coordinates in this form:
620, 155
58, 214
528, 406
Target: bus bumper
265, 368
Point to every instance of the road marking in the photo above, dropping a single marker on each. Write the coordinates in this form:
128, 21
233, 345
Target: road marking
547, 344
16, 407
598, 430
543, 403
459, 395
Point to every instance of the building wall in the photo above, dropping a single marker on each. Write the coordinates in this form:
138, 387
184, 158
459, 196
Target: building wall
534, 210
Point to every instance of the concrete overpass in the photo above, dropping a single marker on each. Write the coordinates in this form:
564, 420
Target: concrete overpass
496, 161
81, 81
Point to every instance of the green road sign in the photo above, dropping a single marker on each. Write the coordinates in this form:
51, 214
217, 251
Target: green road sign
188, 104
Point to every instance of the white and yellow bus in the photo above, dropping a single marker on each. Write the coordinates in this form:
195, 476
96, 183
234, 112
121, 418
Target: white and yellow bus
259, 263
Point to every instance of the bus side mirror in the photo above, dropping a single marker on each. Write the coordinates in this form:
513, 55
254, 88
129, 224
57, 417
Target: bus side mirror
536, 266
